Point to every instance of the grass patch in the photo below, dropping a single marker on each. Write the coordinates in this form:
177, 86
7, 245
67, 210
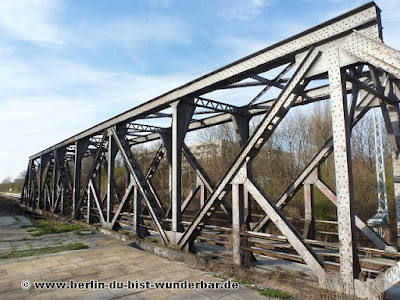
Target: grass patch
267, 292
273, 293
16, 218
244, 282
24, 226
41, 251
43, 227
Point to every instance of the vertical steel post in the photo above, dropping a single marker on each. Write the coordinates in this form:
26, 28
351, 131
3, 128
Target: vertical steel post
394, 116
242, 132
55, 168
46, 185
203, 192
62, 204
98, 177
112, 152
89, 205
127, 178
309, 212
238, 219
39, 183
181, 115
24, 188
241, 207
349, 265
394, 113
29, 182
136, 211
80, 149
44, 159
176, 173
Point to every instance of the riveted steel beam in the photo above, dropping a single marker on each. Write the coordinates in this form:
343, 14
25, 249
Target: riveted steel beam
356, 38
136, 172
253, 145
349, 265
215, 105
282, 53
80, 150
182, 113
361, 109
370, 49
291, 233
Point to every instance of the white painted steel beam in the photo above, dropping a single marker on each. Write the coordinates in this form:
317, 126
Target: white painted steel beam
341, 124
366, 16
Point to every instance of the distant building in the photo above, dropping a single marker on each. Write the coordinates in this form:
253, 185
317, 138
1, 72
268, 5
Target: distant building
207, 149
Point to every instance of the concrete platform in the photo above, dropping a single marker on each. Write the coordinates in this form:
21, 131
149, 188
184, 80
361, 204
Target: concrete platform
107, 259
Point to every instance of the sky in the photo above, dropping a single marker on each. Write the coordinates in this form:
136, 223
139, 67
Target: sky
67, 65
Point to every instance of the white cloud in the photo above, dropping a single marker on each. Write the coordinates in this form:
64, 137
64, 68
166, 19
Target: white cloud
36, 21
244, 10
46, 101
30, 20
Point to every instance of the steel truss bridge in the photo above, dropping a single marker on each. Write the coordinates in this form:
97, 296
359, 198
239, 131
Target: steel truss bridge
343, 60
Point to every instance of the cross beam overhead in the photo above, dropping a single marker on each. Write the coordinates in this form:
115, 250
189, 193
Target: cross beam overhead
173, 193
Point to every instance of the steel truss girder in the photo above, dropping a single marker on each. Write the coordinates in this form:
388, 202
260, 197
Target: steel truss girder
94, 169
135, 127
373, 51
32, 186
156, 162
47, 176
288, 230
359, 111
100, 207
253, 145
215, 105
80, 149
357, 48
349, 264
272, 83
376, 92
366, 16
204, 178
268, 82
44, 160
126, 196
319, 93
141, 182
62, 181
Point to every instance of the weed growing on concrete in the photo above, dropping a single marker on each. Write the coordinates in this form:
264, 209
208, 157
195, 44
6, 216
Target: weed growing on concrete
273, 293
43, 227
41, 251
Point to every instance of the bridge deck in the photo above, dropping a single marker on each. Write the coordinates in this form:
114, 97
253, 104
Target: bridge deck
105, 260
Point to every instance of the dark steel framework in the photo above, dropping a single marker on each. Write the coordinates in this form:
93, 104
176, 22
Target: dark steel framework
343, 61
